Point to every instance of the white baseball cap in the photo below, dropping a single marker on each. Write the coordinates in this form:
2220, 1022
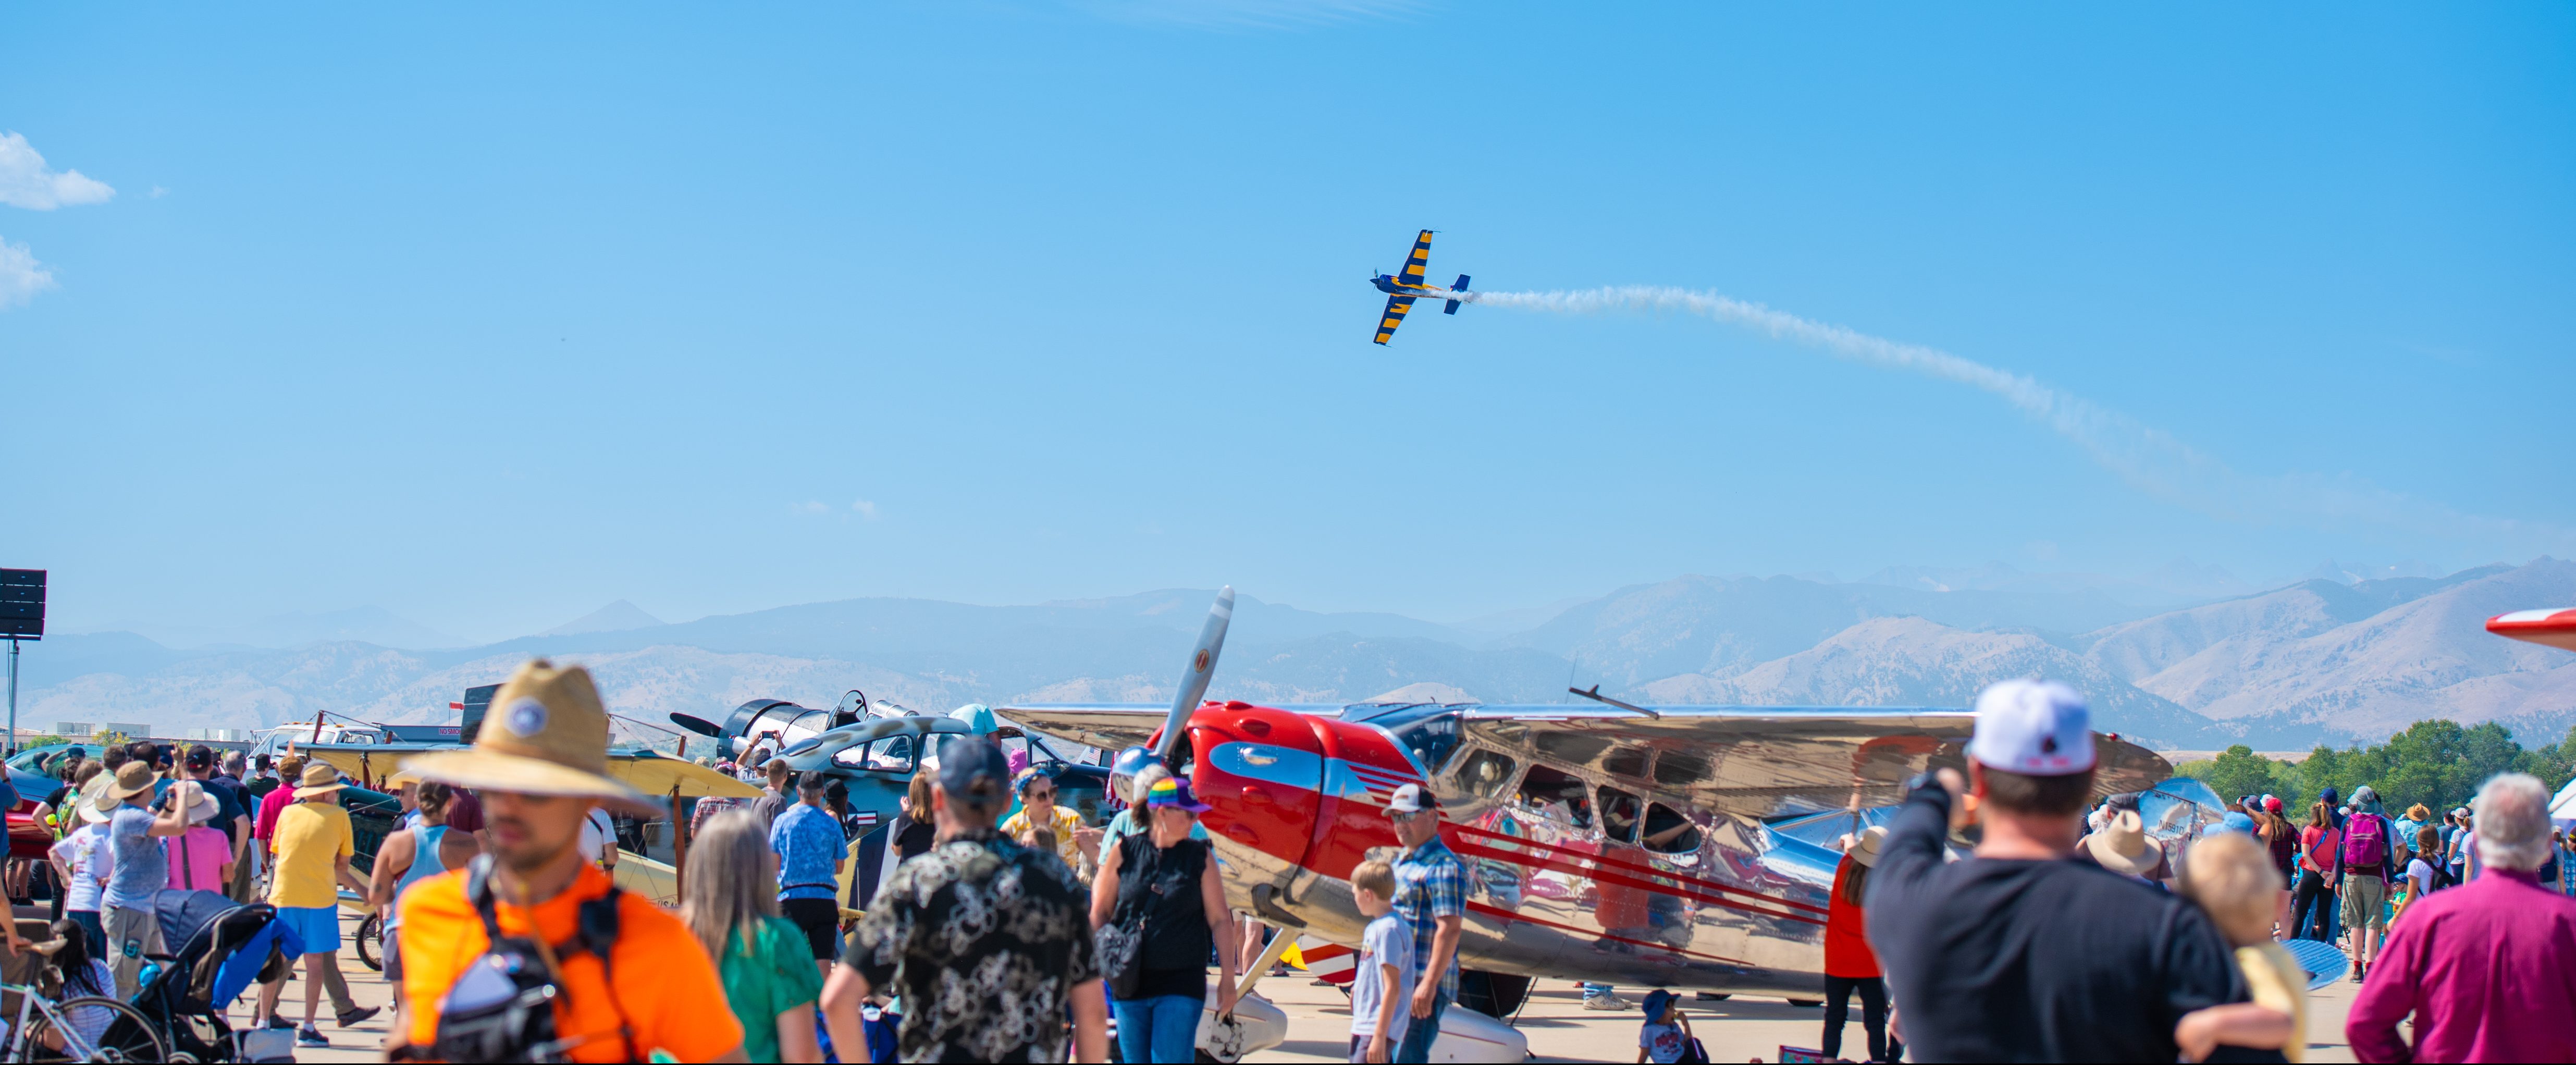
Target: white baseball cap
1411, 798
2038, 728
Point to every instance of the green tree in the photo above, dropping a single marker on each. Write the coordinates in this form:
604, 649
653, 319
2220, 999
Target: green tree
2239, 771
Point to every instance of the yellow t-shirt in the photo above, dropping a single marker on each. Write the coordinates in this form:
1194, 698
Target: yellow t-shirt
309, 837
2276, 980
1066, 821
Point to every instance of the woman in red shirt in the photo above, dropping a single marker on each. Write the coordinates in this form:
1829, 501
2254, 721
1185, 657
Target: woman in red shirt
1849, 963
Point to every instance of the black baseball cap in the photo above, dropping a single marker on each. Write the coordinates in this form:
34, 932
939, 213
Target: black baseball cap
973, 771
201, 757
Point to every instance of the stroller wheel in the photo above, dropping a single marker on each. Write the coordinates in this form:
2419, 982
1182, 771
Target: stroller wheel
371, 942
127, 1036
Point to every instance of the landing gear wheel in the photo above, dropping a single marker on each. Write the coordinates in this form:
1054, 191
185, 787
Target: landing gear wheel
128, 1035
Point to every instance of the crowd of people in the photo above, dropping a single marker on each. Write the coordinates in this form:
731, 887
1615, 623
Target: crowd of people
2066, 937
2060, 933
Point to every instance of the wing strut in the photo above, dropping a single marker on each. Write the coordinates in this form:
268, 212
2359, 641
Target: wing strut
1595, 695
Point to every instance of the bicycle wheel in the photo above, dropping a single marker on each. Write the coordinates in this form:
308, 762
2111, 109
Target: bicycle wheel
127, 1036
371, 942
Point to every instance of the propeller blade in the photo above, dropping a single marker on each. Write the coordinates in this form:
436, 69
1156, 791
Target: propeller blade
1194, 682
698, 725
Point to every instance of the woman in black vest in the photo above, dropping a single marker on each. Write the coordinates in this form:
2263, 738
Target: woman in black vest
1163, 909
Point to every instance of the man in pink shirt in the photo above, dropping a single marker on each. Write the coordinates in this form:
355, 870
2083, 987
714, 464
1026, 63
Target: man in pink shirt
2484, 967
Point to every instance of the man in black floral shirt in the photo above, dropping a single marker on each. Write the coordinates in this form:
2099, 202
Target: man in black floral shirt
986, 941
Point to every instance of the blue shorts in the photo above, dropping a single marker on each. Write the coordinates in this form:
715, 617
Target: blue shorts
318, 925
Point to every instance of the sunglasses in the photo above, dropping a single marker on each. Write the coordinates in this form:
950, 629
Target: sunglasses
1040, 793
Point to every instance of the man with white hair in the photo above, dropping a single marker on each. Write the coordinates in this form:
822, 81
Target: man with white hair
2483, 967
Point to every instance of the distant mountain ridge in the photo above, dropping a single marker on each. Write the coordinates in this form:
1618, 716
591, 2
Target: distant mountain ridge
2311, 661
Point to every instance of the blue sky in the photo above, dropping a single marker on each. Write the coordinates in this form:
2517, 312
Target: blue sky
489, 315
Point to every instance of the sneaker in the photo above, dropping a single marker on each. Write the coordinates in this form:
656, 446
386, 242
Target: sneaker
359, 1015
1604, 1002
279, 1024
2356, 973
311, 1036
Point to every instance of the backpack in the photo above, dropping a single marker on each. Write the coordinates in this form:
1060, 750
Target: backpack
502, 1007
2365, 842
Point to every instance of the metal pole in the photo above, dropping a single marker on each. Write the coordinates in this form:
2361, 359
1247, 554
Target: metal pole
12, 745
679, 849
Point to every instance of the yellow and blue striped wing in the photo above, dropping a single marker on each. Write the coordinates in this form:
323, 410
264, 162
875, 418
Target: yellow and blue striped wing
1394, 316
1421, 260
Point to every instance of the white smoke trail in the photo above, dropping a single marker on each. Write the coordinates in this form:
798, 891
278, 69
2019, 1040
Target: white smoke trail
2145, 457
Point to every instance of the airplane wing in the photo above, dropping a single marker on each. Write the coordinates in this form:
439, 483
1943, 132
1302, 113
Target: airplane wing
1394, 316
1418, 262
1754, 761
1770, 761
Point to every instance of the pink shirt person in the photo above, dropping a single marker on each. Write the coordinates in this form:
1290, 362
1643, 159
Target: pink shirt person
197, 858
2488, 968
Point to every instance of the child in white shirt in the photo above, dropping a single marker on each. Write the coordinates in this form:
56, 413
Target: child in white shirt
1378, 1018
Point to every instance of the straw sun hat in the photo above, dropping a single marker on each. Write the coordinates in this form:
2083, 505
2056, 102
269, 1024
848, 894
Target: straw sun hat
547, 734
319, 779
1864, 848
2123, 847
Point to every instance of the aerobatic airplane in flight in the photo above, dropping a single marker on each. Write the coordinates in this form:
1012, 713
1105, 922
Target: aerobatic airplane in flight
1407, 285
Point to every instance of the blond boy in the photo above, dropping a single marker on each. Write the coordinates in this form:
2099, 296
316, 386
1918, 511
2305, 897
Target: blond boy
1386, 954
2231, 877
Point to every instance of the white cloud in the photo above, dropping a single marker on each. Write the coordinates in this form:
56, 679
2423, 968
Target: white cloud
810, 506
21, 276
24, 181
158, 192
866, 509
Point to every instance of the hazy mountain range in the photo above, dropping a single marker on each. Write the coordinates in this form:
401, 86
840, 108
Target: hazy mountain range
2185, 657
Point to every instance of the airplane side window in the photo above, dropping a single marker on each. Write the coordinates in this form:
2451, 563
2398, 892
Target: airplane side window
1557, 795
1668, 832
1483, 774
1619, 812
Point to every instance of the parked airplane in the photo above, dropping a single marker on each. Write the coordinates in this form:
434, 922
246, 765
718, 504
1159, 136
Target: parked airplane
1604, 841
1406, 285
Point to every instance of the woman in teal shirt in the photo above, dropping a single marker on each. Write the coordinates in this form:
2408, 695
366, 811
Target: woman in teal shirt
766, 964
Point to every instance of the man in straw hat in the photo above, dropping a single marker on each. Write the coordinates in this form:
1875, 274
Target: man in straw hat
140, 868
988, 942
312, 844
2016, 954
631, 980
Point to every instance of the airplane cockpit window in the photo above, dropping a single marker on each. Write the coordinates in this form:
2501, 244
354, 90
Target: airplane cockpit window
1619, 813
806, 726
1482, 774
1681, 769
1427, 731
1626, 761
890, 755
1668, 832
1556, 795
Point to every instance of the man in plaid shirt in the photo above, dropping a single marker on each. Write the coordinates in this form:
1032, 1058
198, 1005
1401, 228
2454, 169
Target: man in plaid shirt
1431, 899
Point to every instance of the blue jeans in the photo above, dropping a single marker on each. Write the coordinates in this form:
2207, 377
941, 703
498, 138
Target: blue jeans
1419, 1035
1160, 1029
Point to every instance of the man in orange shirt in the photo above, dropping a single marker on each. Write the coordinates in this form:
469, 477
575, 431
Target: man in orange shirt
630, 981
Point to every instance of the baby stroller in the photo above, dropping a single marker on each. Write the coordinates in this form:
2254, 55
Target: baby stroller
222, 947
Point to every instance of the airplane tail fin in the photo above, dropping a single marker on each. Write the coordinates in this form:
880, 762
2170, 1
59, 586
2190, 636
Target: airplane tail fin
1461, 286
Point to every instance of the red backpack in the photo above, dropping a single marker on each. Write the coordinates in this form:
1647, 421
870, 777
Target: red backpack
2365, 841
